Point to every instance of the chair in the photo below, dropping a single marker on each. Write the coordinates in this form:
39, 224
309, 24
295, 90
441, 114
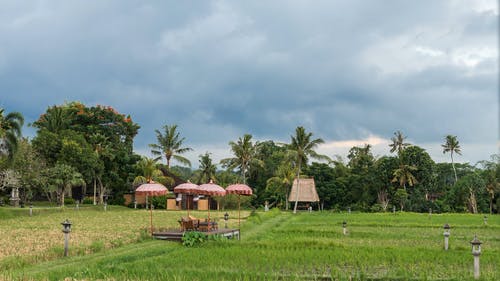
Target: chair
188, 224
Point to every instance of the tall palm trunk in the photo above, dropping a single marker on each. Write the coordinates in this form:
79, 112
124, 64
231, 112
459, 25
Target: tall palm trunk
453, 165
243, 175
298, 188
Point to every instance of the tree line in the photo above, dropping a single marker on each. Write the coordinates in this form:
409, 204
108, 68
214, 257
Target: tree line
92, 148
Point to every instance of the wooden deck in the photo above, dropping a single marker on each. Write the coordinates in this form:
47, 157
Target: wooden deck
176, 234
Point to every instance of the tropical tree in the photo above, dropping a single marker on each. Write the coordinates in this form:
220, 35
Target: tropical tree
207, 169
108, 133
301, 148
362, 178
452, 146
170, 144
10, 131
57, 118
64, 177
245, 156
150, 172
400, 197
280, 184
469, 190
398, 142
29, 167
404, 175
491, 177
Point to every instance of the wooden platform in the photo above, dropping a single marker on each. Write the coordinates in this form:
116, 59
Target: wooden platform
176, 235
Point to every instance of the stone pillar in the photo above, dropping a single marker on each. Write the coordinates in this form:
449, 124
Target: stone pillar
476, 255
446, 236
14, 197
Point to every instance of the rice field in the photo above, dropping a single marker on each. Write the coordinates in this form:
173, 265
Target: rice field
29, 240
274, 246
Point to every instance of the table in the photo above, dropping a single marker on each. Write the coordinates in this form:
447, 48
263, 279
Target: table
207, 226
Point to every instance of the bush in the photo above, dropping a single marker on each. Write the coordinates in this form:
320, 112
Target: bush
118, 200
376, 208
69, 201
88, 200
159, 202
193, 238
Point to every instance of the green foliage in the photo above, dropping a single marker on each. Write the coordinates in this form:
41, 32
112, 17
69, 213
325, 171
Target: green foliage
10, 132
117, 199
170, 145
96, 140
69, 201
193, 238
207, 169
400, 197
245, 156
149, 172
159, 202
88, 200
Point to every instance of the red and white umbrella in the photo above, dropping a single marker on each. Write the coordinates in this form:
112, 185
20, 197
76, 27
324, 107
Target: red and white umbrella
211, 189
239, 189
187, 188
151, 189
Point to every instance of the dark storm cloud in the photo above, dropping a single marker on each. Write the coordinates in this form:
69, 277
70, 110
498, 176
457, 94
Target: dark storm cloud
343, 69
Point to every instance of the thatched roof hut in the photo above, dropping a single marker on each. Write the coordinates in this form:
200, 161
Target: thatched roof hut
307, 192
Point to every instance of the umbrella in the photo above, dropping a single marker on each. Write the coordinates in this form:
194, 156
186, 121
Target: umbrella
151, 189
211, 189
187, 188
240, 189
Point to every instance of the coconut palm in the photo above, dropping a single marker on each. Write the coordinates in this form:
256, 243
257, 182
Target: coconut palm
56, 119
207, 169
404, 175
282, 181
245, 156
452, 146
398, 143
10, 131
170, 145
150, 172
301, 148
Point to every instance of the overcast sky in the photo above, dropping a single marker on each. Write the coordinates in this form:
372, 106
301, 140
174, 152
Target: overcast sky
351, 72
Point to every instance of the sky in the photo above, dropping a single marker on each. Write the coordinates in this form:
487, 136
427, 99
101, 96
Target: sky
351, 72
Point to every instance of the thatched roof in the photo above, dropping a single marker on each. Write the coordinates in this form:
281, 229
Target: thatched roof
307, 191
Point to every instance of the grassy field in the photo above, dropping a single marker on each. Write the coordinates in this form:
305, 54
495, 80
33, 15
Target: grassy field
274, 246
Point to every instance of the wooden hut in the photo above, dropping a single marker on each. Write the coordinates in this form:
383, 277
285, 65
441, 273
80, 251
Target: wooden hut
306, 191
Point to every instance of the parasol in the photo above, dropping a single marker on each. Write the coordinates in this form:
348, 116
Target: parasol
187, 188
151, 189
239, 189
211, 189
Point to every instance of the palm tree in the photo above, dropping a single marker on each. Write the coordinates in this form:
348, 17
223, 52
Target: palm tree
150, 172
404, 175
398, 142
56, 119
207, 169
302, 147
10, 131
245, 156
281, 182
452, 146
170, 144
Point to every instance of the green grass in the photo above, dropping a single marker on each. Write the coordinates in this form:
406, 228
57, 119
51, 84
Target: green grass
283, 246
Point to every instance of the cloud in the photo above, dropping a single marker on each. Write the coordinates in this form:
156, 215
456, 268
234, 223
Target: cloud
346, 70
